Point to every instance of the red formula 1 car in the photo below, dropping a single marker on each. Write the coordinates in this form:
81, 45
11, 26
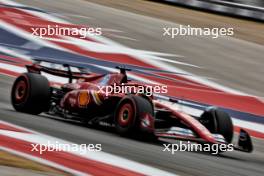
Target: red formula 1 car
83, 98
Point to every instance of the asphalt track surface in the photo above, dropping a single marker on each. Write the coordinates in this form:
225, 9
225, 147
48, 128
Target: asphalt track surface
240, 73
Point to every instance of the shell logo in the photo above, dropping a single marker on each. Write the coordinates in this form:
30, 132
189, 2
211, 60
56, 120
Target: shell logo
83, 98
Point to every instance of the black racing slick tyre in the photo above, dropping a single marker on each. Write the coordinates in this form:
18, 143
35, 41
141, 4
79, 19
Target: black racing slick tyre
217, 121
128, 114
30, 93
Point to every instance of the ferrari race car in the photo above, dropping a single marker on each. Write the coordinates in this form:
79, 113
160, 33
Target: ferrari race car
84, 98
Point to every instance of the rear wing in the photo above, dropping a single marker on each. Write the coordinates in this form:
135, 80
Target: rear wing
62, 70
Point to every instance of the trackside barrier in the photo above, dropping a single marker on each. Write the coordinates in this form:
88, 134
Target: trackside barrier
229, 8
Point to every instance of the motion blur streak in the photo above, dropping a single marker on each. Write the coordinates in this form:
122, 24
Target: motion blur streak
225, 59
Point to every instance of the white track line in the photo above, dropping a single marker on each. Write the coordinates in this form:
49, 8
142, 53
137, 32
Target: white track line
14, 53
29, 36
42, 161
110, 159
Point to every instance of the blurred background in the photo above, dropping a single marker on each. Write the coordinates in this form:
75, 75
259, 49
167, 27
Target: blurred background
133, 36
248, 2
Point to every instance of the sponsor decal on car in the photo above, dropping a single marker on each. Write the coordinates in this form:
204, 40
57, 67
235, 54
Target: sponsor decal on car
83, 98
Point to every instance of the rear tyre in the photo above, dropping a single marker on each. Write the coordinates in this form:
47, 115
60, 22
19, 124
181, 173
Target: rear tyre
30, 93
128, 114
217, 121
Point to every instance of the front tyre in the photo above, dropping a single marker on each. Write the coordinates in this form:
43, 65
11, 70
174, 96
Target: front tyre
217, 121
30, 93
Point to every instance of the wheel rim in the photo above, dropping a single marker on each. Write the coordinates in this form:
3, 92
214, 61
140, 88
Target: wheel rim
125, 115
20, 91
